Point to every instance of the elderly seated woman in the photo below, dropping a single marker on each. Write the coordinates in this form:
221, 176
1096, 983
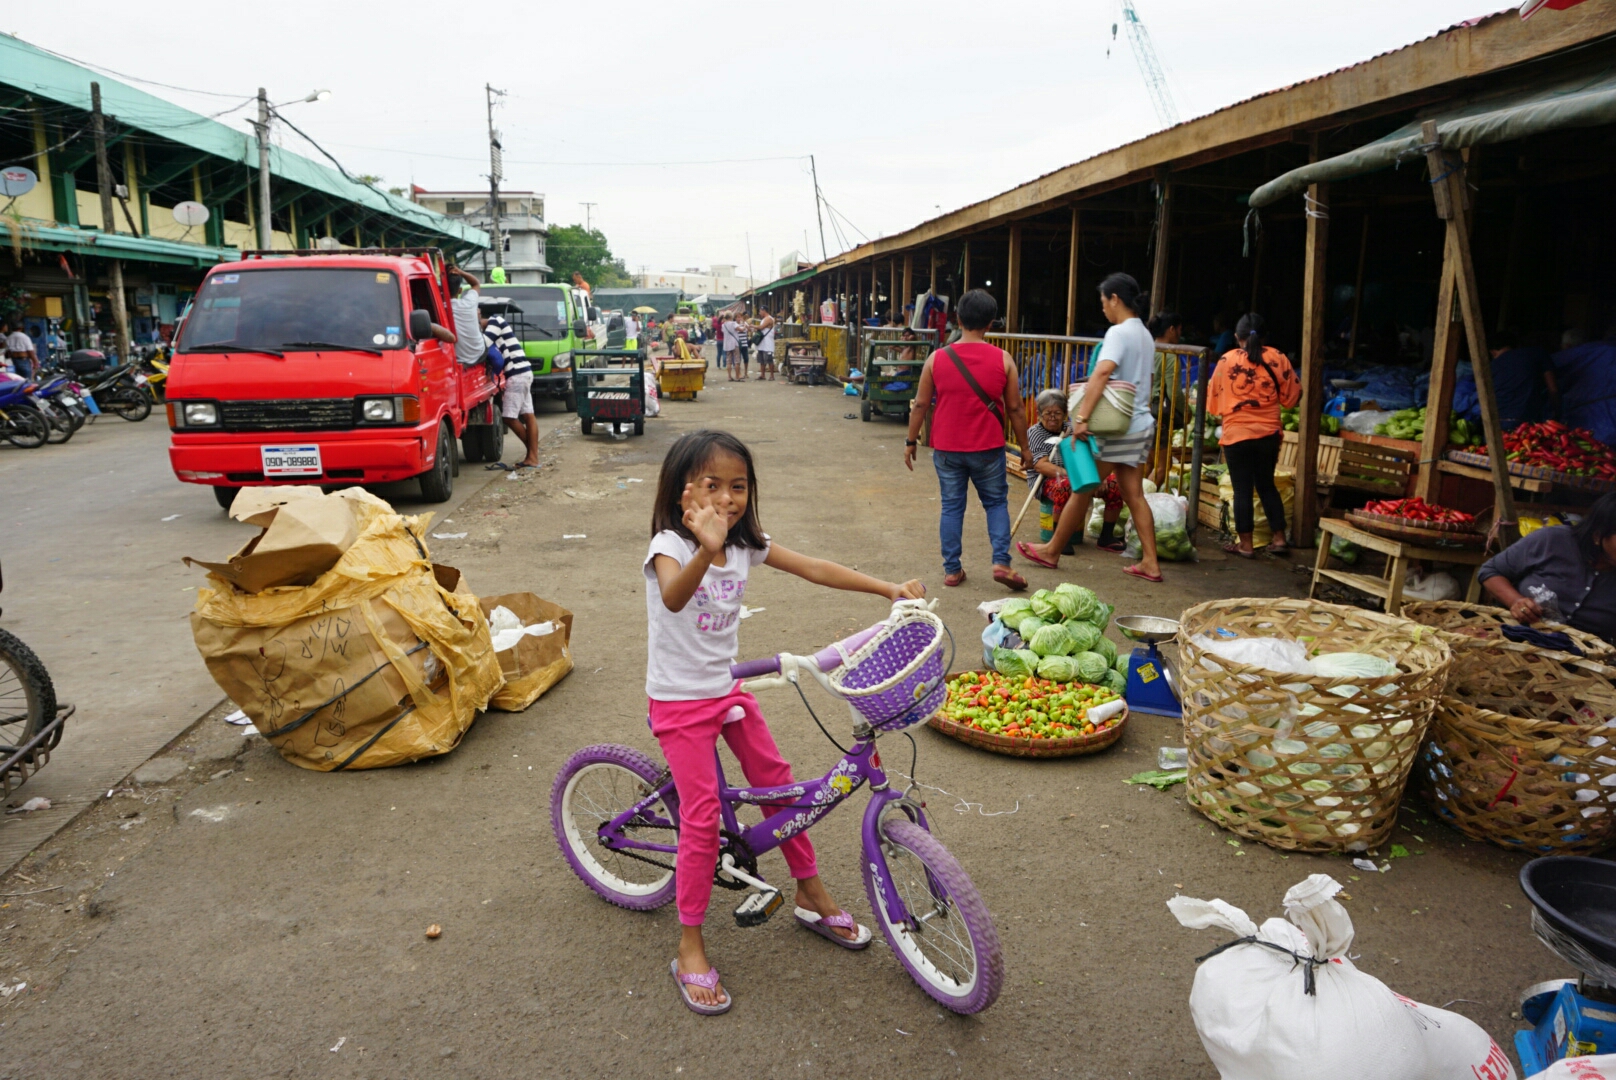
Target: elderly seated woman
1043, 466
1574, 563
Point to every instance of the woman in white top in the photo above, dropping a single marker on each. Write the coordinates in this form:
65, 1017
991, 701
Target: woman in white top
766, 348
1128, 355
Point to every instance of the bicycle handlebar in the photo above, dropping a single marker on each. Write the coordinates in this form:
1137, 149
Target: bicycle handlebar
751, 669
828, 658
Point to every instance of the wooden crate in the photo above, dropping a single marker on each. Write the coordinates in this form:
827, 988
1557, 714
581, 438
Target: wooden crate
1375, 467
1210, 511
1329, 458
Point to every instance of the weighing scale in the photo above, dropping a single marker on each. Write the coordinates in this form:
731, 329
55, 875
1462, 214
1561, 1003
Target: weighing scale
1575, 916
1345, 401
1150, 679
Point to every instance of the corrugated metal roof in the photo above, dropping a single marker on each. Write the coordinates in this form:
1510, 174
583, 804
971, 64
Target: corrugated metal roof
46, 75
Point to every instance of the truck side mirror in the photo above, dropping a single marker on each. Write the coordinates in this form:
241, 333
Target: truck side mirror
594, 313
421, 325
580, 327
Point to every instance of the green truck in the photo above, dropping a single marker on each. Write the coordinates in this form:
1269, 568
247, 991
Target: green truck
552, 322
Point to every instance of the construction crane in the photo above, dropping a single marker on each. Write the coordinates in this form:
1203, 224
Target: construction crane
1161, 95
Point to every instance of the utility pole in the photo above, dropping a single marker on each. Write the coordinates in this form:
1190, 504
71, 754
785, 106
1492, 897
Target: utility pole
103, 177
588, 206
815, 167
262, 128
496, 173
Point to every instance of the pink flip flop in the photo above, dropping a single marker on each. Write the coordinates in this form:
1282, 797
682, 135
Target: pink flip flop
822, 924
706, 982
1134, 571
1025, 549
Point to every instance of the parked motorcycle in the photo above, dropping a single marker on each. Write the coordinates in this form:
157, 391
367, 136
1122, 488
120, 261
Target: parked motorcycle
118, 390
21, 422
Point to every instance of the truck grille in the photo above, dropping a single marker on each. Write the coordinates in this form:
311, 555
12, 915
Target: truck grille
313, 414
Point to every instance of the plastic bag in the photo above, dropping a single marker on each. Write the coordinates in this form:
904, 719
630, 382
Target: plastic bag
1547, 601
1171, 514
1440, 585
997, 636
1364, 423
1291, 1004
1261, 531
1269, 653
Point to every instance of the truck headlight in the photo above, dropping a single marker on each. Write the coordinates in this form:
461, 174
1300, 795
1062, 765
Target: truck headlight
378, 410
393, 409
562, 362
200, 414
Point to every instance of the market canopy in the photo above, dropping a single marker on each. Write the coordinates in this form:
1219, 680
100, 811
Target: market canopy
1584, 99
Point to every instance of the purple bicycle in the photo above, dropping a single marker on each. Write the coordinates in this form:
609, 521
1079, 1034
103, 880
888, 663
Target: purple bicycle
616, 813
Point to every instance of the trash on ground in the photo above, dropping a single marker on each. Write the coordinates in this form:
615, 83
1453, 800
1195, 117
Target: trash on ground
1284, 1000
574, 536
238, 718
1173, 758
450, 536
434, 931
532, 655
340, 1041
304, 533
171, 517
17, 988
1370, 868
1160, 779
38, 802
214, 814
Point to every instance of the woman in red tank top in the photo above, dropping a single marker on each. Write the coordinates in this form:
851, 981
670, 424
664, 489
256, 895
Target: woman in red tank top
976, 387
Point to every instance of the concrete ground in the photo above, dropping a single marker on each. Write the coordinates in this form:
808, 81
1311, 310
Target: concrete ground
252, 919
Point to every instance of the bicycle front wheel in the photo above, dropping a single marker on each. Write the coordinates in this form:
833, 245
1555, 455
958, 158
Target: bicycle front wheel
596, 785
948, 943
27, 696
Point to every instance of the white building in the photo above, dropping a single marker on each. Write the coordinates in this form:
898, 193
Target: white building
521, 226
719, 279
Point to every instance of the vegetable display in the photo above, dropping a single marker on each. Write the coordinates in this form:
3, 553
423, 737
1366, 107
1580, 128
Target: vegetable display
1552, 445
1417, 509
1027, 707
1291, 420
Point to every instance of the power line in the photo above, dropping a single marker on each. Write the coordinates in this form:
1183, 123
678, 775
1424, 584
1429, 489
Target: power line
131, 78
533, 161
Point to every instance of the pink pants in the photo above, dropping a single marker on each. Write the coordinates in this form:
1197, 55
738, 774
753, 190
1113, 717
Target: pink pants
688, 732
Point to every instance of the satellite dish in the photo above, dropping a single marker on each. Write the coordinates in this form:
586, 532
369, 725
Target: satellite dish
17, 180
191, 214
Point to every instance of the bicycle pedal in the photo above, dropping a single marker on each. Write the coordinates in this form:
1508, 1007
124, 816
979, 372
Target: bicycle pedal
756, 909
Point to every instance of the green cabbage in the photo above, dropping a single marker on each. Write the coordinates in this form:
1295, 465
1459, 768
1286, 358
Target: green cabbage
1030, 625
1352, 665
1106, 648
1116, 682
1016, 663
1102, 614
1014, 611
1084, 635
1075, 601
1057, 668
1043, 605
1121, 663
1052, 640
1091, 667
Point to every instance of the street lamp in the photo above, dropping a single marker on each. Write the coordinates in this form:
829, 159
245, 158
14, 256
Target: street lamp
261, 129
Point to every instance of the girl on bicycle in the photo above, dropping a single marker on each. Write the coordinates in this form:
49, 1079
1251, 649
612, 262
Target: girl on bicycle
705, 539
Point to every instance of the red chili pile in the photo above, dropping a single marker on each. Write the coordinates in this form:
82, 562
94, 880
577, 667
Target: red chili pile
1552, 445
1417, 509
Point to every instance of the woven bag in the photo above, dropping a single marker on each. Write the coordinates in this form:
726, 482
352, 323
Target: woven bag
1306, 763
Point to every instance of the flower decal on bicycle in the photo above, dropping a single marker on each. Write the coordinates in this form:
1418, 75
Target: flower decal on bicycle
843, 784
924, 687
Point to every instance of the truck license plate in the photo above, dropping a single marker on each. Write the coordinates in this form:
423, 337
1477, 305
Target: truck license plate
291, 461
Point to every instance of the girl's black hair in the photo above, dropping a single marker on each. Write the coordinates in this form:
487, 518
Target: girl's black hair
1164, 322
681, 466
1250, 327
1126, 289
1598, 523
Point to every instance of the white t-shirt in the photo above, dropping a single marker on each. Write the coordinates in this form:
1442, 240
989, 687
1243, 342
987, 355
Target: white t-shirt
632, 325
469, 344
690, 651
732, 337
1129, 345
19, 342
767, 344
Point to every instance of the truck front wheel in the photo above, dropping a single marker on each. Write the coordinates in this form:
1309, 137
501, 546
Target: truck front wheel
437, 483
224, 496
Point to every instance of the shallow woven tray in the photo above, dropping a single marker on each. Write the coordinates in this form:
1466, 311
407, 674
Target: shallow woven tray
1433, 526
1535, 472
1389, 527
1515, 781
1278, 757
1037, 748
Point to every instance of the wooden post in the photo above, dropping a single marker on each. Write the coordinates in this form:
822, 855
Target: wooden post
1448, 184
1517, 224
931, 279
1357, 288
1312, 403
908, 286
1012, 282
1071, 280
1164, 220
103, 175
965, 286
1444, 372
898, 299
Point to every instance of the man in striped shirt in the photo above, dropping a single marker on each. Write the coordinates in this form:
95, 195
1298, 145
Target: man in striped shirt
517, 400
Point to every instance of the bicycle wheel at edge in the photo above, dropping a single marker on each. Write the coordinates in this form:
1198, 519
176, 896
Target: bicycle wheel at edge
595, 785
955, 957
27, 696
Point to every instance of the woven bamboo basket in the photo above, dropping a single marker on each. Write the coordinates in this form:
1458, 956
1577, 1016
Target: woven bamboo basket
1531, 785
1306, 763
1013, 746
1482, 655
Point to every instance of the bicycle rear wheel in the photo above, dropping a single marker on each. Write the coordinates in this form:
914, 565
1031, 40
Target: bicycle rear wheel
27, 695
597, 784
948, 945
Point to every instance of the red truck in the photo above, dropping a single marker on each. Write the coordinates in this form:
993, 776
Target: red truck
317, 367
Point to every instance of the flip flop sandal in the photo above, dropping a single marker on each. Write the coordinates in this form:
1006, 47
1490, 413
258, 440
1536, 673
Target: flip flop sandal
1282, 552
525, 465
706, 982
500, 465
952, 580
1010, 580
1116, 547
1235, 549
1037, 560
1134, 571
822, 924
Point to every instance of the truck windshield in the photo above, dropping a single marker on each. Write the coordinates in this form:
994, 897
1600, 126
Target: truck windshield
286, 310
544, 308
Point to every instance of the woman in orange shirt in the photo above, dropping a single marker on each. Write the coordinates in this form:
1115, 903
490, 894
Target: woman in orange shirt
1247, 390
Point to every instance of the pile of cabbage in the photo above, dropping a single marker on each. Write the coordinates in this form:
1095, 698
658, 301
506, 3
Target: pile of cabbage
1062, 634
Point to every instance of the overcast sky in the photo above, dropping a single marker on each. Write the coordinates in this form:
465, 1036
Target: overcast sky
909, 108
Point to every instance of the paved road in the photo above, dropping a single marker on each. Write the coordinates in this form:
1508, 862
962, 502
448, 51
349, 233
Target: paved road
91, 540
253, 917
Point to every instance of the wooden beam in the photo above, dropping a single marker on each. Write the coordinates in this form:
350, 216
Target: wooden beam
1357, 288
1449, 176
965, 286
1071, 279
1444, 372
908, 285
1164, 224
1012, 281
1312, 403
931, 280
